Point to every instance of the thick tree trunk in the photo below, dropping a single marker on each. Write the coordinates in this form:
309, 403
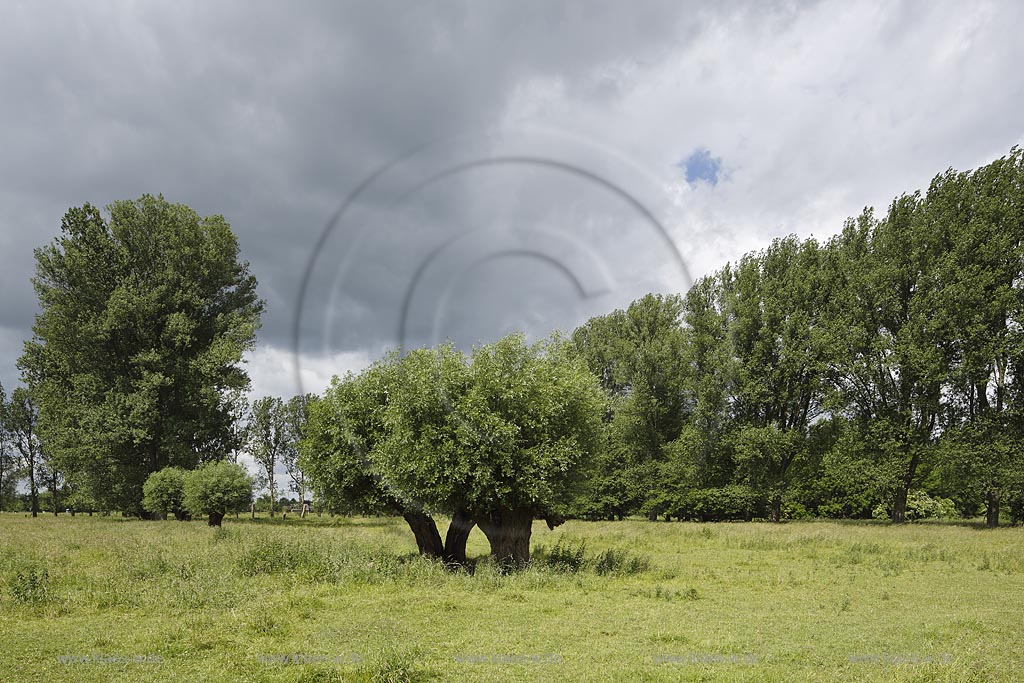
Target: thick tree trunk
776, 511
455, 540
428, 539
215, 518
899, 506
992, 509
508, 531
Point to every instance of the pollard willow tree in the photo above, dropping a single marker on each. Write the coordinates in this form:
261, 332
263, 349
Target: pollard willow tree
501, 437
137, 350
342, 430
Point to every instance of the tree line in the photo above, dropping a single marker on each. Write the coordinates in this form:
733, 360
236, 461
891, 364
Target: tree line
873, 374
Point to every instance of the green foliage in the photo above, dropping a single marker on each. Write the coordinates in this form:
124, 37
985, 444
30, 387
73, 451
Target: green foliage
720, 504
922, 506
136, 355
620, 562
31, 585
163, 492
341, 429
269, 438
217, 488
564, 556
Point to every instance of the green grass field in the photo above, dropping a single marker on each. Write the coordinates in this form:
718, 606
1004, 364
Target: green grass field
334, 599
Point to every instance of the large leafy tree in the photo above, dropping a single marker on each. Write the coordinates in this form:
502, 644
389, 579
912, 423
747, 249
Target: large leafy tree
774, 301
138, 347
343, 429
887, 362
501, 438
639, 355
980, 306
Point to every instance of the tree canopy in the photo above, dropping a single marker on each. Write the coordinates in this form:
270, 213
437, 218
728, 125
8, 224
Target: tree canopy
137, 350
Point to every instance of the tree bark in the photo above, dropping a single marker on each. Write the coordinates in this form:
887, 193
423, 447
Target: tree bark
508, 531
992, 509
33, 491
215, 518
428, 539
899, 506
455, 540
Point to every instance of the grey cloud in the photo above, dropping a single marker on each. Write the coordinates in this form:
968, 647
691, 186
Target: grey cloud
271, 113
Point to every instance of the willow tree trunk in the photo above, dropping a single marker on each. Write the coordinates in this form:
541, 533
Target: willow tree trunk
455, 540
508, 531
992, 509
428, 539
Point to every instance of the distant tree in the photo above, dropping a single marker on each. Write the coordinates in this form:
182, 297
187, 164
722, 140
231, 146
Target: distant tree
268, 438
979, 308
774, 301
216, 489
22, 418
50, 473
297, 411
8, 461
137, 350
163, 492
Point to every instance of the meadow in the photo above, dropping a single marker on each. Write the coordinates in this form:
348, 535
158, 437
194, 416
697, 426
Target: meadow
336, 599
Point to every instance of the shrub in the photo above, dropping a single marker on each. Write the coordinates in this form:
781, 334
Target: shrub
920, 506
216, 489
721, 504
162, 492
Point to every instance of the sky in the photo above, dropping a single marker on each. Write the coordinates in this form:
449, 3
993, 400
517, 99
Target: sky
401, 173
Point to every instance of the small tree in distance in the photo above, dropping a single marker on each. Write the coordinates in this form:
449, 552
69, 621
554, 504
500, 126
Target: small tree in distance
267, 436
216, 489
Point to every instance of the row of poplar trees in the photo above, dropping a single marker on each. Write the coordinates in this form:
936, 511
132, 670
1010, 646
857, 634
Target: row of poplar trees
829, 378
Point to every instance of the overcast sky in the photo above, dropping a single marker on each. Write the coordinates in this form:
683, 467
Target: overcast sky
502, 166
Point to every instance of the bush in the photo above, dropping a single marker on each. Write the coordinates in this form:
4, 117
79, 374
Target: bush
721, 504
216, 489
920, 506
162, 492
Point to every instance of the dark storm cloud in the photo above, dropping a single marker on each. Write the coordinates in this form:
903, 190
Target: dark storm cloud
271, 114
266, 113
